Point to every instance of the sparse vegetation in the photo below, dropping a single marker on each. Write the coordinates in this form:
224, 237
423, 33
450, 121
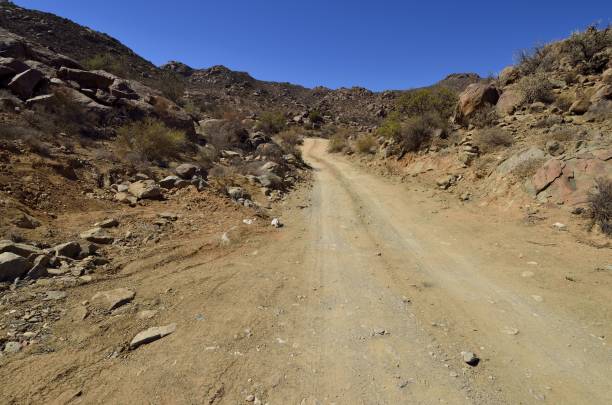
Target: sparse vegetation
490, 139
484, 117
365, 143
424, 101
115, 64
583, 48
601, 205
171, 85
338, 142
528, 168
536, 88
391, 126
150, 139
417, 132
271, 122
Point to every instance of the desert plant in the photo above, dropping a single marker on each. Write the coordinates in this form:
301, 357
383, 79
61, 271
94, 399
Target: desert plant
271, 122
564, 102
290, 137
365, 143
172, 85
338, 142
490, 139
391, 126
115, 64
528, 168
583, 48
150, 139
315, 116
484, 117
536, 87
600, 203
538, 59
422, 101
417, 132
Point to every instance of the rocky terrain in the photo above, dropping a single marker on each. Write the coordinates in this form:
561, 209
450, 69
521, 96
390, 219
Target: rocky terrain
141, 203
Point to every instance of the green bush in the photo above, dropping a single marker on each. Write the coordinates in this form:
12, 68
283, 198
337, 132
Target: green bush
114, 64
271, 122
436, 99
365, 143
151, 139
172, 85
417, 132
391, 126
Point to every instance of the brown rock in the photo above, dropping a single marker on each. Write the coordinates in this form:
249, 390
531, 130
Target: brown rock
509, 101
152, 334
112, 299
473, 98
548, 173
145, 189
86, 79
580, 106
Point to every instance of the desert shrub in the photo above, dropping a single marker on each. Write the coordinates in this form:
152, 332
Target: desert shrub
391, 126
583, 48
206, 156
528, 168
484, 117
422, 101
115, 64
601, 205
536, 88
416, 133
172, 85
538, 59
290, 137
315, 117
150, 139
365, 143
490, 139
564, 101
271, 122
563, 135
338, 142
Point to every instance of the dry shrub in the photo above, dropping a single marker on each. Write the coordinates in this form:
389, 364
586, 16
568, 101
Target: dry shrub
484, 117
338, 142
271, 122
290, 137
564, 101
584, 48
36, 145
365, 143
491, 139
528, 168
601, 205
222, 177
536, 87
150, 140
417, 132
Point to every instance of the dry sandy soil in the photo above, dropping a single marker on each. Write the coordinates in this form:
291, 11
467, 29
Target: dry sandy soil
368, 295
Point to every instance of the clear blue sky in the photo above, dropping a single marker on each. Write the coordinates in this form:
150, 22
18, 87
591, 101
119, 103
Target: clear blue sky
384, 44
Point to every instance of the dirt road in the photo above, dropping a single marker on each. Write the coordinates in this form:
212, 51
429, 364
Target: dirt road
367, 296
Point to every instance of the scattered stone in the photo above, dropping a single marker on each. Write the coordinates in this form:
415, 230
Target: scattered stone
68, 249
168, 215
445, 182
112, 299
12, 347
186, 171
527, 274
559, 226
510, 331
146, 314
169, 182
250, 398
79, 313
470, 358
55, 295
97, 235
145, 189
276, 223
236, 193
12, 266
27, 222
107, 223
20, 249
152, 334
39, 269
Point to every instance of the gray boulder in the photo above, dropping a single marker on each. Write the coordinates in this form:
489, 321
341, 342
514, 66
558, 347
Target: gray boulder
97, 235
508, 165
145, 189
86, 79
20, 249
186, 170
68, 249
12, 266
24, 83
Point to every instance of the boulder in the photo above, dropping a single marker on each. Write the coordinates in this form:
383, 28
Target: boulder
12, 266
121, 89
271, 181
112, 299
20, 249
473, 98
602, 93
87, 103
509, 75
509, 101
97, 235
13, 65
145, 189
508, 165
548, 173
169, 182
270, 167
44, 100
580, 106
68, 249
186, 170
108, 223
39, 269
24, 83
86, 79
445, 182
606, 76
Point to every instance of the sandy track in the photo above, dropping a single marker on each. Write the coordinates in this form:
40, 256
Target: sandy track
367, 296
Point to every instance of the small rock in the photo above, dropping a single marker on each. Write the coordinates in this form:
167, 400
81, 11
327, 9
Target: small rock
27, 222
186, 170
168, 215
12, 347
146, 314
112, 299
470, 358
152, 334
79, 313
107, 223
510, 331
276, 223
97, 235
39, 269
69, 249
55, 295
560, 226
250, 398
